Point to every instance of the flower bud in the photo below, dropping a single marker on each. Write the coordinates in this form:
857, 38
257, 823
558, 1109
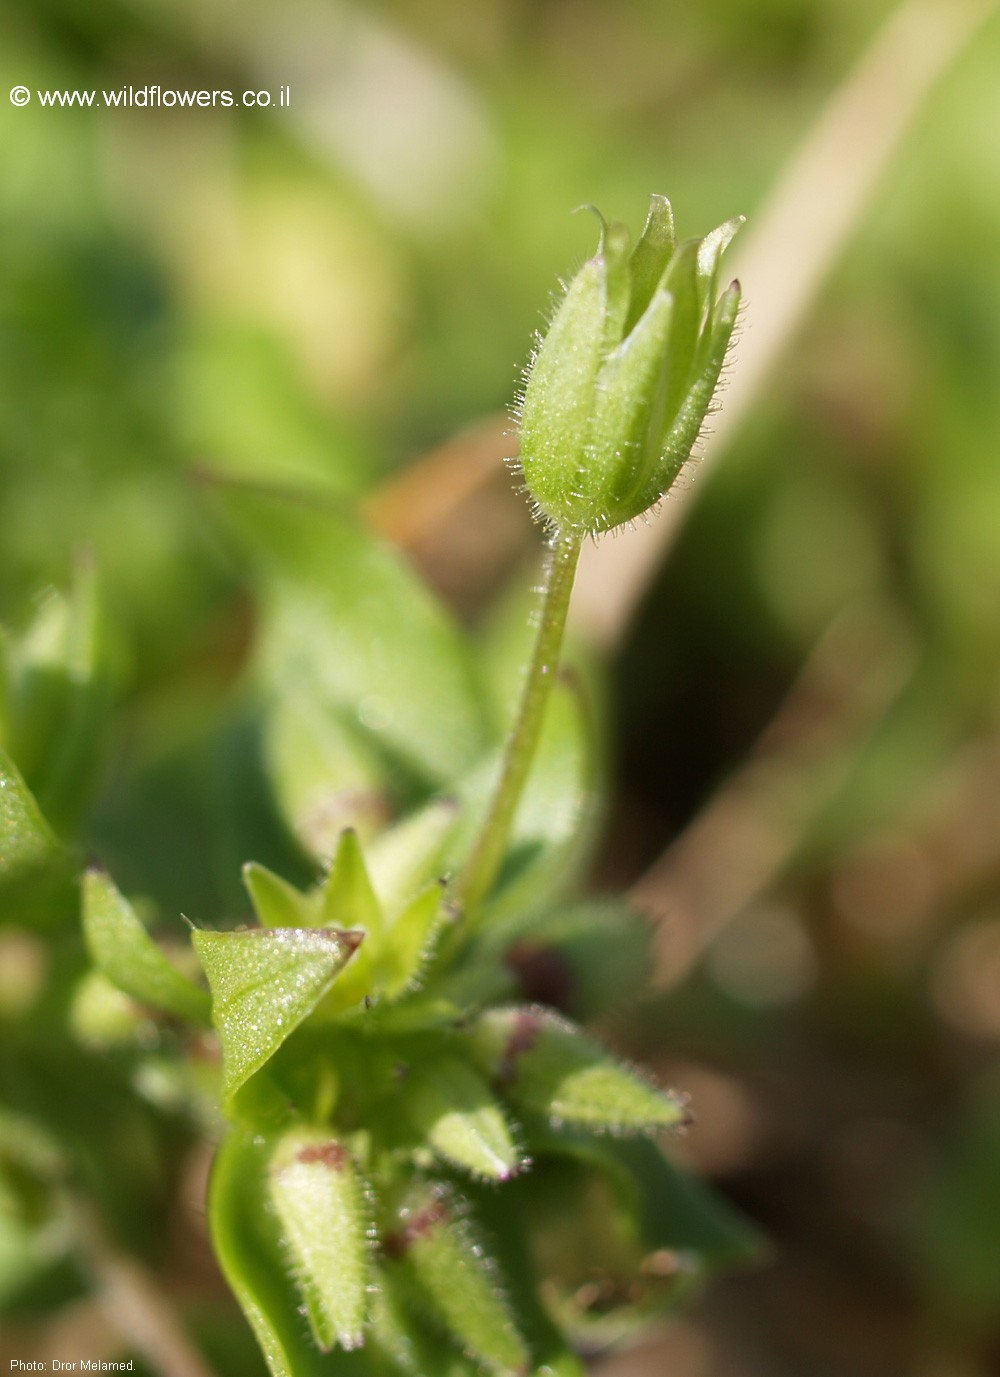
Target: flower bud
621, 384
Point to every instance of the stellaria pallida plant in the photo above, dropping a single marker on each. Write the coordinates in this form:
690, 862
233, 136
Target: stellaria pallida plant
425, 1165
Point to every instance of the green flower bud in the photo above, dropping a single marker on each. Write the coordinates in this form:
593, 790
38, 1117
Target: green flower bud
619, 388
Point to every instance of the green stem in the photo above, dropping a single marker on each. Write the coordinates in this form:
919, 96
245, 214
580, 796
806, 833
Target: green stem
481, 868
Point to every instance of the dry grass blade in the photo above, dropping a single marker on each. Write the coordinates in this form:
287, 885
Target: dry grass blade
747, 833
796, 239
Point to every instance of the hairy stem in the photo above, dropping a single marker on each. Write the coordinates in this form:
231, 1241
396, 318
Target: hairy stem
481, 868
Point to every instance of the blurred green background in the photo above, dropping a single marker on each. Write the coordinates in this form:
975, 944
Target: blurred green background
808, 703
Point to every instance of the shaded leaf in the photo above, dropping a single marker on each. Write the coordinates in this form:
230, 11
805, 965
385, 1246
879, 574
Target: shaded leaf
672, 1208
585, 960
123, 950
409, 942
405, 857
277, 903
348, 901
28, 846
347, 623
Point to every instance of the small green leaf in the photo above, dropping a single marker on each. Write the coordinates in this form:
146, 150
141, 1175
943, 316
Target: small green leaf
402, 859
434, 1245
264, 983
28, 846
348, 901
452, 1106
123, 950
652, 253
550, 1067
409, 941
710, 252
277, 903
319, 1199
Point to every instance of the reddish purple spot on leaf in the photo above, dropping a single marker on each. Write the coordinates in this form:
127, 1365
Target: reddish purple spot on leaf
420, 1224
332, 1154
544, 974
522, 1039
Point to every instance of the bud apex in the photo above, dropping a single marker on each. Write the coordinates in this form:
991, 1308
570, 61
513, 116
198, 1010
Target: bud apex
621, 384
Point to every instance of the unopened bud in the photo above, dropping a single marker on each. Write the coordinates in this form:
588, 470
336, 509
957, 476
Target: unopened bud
620, 386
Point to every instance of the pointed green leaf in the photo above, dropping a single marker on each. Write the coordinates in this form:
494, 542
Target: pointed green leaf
264, 983
550, 1067
452, 1106
409, 942
277, 903
405, 857
435, 1246
123, 950
320, 1201
28, 845
559, 397
627, 425
710, 252
686, 426
348, 901
616, 244
681, 281
650, 257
